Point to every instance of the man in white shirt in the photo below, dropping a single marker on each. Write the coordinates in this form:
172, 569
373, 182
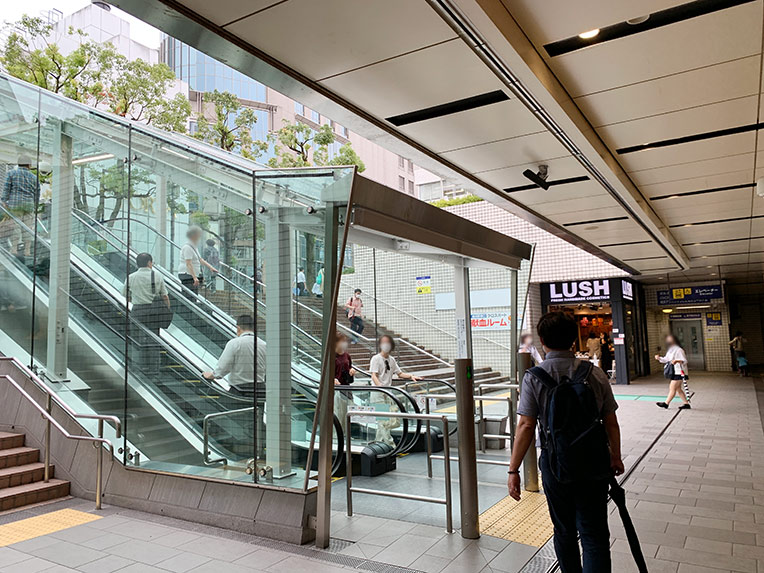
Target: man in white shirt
141, 288
300, 282
190, 264
237, 360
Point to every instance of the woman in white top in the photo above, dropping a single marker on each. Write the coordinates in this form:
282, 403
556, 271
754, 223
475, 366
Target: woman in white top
383, 367
190, 264
678, 359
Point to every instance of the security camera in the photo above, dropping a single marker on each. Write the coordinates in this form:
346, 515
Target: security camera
540, 177
760, 187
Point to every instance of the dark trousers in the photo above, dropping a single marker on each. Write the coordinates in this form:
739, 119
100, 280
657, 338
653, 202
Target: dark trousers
356, 324
188, 281
578, 509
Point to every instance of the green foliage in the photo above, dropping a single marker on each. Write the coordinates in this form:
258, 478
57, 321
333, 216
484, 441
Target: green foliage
95, 74
457, 201
231, 127
199, 219
299, 145
31, 54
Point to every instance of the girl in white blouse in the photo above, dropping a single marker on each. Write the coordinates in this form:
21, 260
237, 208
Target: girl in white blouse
676, 356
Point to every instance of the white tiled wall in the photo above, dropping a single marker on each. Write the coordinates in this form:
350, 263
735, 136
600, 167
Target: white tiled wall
716, 338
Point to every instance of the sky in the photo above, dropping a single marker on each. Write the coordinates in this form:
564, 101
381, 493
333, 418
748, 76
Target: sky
10, 11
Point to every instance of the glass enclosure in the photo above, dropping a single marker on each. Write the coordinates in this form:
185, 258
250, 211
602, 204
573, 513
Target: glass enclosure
153, 278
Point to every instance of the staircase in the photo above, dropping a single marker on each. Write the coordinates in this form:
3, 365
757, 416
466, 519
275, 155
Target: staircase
22, 474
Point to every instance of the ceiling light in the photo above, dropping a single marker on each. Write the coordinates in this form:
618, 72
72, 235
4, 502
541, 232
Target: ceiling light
91, 158
638, 20
591, 228
590, 34
171, 151
667, 310
697, 306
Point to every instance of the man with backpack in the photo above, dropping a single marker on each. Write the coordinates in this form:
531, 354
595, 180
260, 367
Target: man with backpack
581, 445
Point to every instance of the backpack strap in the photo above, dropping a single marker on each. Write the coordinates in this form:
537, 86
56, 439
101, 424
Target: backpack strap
153, 284
543, 376
583, 371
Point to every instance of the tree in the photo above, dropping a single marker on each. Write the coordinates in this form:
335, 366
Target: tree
231, 126
31, 52
299, 145
138, 91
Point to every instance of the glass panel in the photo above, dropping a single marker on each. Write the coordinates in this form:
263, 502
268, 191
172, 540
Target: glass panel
21, 175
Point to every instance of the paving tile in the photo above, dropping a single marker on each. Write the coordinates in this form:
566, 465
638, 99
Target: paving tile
106, 564
430, 564
183, 562
709, 545
513, 557
68, 554
31, 565
406, 549
742, 564
295, 564
264, 558
143, 551
218, 548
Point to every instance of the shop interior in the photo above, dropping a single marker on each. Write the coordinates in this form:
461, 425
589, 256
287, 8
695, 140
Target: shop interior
594, 318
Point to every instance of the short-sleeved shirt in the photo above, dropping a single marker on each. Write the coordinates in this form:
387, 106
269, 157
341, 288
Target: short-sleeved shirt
342, 365
189, 253
558, 363
385, 368
139, 285
237, 361
21, 189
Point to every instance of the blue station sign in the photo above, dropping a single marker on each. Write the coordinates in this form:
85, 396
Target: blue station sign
689, 295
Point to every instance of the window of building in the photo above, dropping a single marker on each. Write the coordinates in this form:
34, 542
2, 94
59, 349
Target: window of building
315, 116
299, 108
411, 187
401, 162
342, 130
401, 183
411, 166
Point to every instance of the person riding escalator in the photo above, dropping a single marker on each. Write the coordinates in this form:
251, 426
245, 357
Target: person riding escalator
238, 359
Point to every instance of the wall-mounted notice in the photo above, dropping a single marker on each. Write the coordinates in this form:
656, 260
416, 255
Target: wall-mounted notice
713, 319
490, 321
424, 285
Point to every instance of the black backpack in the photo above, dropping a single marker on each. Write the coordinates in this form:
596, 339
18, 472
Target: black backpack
573, 433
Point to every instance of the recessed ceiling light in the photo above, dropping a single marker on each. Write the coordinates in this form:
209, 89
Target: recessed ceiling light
591, 228
638, 20
590, 34
667, 310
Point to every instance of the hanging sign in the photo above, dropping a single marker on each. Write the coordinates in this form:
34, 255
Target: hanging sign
627, 290
689, 295
490, 321
713, 319
424, 285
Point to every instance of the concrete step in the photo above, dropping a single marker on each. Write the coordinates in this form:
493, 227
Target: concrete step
11, 440
22, 475
37, 492
20, 456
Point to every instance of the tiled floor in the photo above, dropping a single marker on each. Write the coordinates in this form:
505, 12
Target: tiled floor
697, 500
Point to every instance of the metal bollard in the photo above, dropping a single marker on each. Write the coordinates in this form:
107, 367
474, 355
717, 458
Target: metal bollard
530, 461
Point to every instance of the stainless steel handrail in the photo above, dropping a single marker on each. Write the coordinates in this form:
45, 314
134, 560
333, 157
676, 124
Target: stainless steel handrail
206, 432
50, 397
446, 465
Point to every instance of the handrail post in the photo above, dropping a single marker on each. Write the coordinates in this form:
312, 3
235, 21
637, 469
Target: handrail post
48, 408
348, 466
447, 474
429, 440
99, 466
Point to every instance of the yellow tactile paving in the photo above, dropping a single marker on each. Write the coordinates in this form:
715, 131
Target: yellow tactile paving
526, 521
45, 524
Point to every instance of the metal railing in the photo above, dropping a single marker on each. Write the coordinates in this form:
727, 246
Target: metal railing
483, 436
206, 432
45, 411
511, 407
447, 501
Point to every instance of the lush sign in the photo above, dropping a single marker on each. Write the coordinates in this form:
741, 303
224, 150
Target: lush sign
579, 291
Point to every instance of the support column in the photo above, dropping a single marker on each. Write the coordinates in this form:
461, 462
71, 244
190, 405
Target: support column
278, 339
326, 413
515, 324
465, 407
60, 251
160, 221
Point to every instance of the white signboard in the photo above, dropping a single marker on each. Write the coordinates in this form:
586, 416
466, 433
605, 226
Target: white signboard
490, 321
424, 285
361, 419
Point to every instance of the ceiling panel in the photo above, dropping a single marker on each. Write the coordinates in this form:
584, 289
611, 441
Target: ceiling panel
574, 207
713, 232
717, 249
474, 127
693, 88
222, 13
726, 35
691, 121
584, 214
697, 183
688, 152
694, 169
535, 149
697, 208
385, 88
572, 18
324, 49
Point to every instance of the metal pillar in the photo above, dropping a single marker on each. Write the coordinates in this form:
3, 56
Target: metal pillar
465, 407
515, 326
530, 461
326, 413
278, 338
160, 221
60, 251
